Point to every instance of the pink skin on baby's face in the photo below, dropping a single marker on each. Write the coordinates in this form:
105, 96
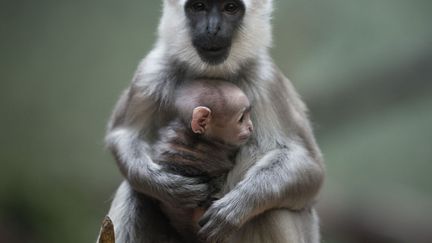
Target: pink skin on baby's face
234, 130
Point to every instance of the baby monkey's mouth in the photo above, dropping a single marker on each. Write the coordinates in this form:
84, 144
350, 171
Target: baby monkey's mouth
244, 137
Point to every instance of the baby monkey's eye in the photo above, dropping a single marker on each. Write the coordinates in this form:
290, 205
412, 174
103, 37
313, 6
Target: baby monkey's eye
241, 118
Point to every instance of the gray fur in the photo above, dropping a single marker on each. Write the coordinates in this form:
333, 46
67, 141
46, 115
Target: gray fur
180, 151
269, 193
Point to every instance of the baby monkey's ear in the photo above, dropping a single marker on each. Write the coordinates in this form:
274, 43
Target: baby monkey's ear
201, 117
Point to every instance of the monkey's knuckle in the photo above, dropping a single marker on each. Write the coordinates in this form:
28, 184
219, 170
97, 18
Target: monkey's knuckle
229, 220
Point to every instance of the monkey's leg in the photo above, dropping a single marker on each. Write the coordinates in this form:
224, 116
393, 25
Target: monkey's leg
138, 219
280, 226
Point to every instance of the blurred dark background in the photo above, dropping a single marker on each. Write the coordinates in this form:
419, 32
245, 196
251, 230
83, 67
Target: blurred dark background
363, 67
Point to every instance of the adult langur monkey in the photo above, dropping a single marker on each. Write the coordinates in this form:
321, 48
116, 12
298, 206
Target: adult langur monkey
271, 189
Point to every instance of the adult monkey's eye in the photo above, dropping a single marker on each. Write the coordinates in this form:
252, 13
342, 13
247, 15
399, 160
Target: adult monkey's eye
198, 6
231, 8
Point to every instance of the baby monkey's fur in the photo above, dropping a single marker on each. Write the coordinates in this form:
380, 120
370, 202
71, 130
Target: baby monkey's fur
181, 150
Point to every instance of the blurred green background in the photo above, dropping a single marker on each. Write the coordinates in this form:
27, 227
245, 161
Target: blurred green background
363, 67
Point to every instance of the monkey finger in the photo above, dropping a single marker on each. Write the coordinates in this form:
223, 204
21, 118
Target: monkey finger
205, 218
206, 232
215, 231
203, 221
208, 226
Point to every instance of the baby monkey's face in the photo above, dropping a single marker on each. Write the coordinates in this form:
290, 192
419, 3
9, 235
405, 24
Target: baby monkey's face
237, 128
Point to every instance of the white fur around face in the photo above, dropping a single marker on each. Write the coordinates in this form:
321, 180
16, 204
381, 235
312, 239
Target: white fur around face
253, 39
248, 3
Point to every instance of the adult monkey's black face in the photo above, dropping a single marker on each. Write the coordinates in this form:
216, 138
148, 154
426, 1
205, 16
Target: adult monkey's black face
213, 25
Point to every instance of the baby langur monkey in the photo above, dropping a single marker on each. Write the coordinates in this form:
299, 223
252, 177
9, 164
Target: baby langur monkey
213, 122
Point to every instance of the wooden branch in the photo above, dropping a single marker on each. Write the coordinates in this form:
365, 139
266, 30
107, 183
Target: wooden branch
107, 231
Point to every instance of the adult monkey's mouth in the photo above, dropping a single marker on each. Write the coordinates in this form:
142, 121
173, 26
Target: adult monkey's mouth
214, 55
214, 50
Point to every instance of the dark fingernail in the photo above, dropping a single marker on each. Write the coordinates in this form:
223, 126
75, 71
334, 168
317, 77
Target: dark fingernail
201, 223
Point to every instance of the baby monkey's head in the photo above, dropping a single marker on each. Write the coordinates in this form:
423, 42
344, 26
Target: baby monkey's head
217, 110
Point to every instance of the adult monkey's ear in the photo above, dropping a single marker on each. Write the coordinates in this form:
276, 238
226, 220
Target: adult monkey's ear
201, 117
